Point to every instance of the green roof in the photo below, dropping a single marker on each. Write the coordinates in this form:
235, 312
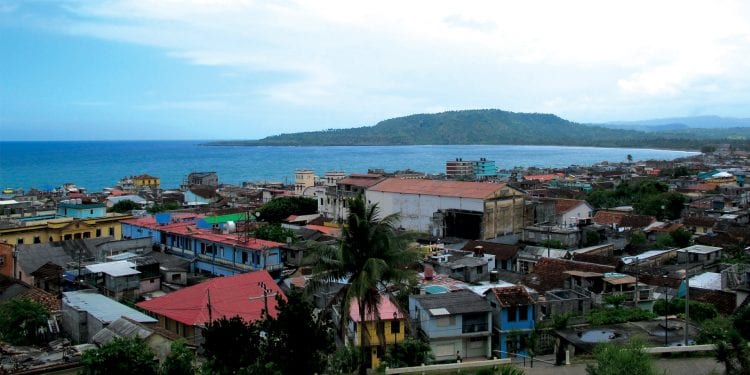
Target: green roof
242, 216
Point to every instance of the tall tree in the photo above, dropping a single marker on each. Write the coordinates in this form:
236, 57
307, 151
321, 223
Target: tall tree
370, 254
232, 344
296, 332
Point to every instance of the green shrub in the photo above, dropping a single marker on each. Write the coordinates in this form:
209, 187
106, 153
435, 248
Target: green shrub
617, 315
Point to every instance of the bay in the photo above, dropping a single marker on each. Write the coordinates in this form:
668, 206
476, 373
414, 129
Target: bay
98, 164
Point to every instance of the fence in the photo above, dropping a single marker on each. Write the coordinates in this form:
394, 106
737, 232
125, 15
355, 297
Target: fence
448, 366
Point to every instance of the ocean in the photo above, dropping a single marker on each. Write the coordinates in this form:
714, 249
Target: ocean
99, 164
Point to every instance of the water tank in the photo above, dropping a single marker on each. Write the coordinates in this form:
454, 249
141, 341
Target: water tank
494, 277
230, 227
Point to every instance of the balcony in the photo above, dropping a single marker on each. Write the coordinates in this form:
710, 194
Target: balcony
475, 328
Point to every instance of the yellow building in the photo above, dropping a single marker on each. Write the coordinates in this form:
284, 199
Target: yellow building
146, 180
385, 329
61, 229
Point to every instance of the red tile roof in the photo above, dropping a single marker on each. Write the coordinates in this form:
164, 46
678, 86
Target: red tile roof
459, 189
549, 272
239, 295
386, 309
544, 177
325, 230
609, 217
564, 205
359, 181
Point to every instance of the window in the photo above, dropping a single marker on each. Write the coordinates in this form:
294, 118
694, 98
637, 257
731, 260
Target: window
176, 276
19, 241
37, 239
512, 314
395, 326
2, 260
111, 231
98, 232
523, 313
91, 212
445, 321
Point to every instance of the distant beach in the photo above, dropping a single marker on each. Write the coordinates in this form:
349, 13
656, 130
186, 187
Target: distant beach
98, 164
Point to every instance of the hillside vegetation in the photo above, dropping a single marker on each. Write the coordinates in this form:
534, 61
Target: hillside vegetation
492, 126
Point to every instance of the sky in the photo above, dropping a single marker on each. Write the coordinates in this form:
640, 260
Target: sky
243, 69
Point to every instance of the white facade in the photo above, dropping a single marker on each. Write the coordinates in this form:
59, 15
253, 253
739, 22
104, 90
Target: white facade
571, 217
416, 210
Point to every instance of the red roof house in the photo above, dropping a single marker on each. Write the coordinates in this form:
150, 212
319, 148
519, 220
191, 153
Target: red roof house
187, 310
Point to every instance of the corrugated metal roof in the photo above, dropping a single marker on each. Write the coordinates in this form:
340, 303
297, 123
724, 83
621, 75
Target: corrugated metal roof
459, 189
102, 308
118, 268
458, 302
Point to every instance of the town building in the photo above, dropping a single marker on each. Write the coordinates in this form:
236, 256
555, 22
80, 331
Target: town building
333, 205
513, 319
211, 242
85, 313
188, 311
201, 178
376, 332
303, 178
471, 210
75, 220
146, 181
457, 324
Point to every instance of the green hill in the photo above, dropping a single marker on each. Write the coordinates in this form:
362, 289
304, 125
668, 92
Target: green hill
492, 126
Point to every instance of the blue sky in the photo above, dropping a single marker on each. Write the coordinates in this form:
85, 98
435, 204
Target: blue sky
226, 69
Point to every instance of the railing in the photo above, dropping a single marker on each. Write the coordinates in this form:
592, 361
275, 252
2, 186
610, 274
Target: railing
472, 328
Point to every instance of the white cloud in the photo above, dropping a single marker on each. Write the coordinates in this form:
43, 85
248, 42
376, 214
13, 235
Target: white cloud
586, 59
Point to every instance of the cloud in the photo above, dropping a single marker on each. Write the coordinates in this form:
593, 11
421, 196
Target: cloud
372, 60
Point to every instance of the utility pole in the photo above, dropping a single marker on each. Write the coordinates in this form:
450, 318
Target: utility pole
687, 296
210, 315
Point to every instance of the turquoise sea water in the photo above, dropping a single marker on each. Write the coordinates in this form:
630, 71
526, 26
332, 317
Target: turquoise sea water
96, 165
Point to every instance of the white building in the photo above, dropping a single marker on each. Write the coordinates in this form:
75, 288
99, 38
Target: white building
473, 210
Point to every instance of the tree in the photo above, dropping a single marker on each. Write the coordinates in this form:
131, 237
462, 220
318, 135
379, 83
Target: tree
370, 254
617, 359
663, 241
21, 320
124, 206
630, 158
273, 232
279, 209
297, 333
681, 237
592, 238
741, 322
122, 356
231, 344
614, 299
179, 361
637, 239
410, 352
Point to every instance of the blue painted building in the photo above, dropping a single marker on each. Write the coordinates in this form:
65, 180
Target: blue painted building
212, 251
484, 168
81, 210
513, 319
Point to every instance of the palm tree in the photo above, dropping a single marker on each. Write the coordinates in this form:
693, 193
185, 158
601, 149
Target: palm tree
370, 254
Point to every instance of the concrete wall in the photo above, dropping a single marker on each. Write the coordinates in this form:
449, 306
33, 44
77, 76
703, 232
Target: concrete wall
416, 210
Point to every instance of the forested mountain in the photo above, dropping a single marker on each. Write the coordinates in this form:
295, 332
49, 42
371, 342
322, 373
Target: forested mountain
492, 126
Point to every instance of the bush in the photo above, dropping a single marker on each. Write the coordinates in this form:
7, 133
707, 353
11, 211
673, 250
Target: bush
617, 315
699, 311
614, 359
